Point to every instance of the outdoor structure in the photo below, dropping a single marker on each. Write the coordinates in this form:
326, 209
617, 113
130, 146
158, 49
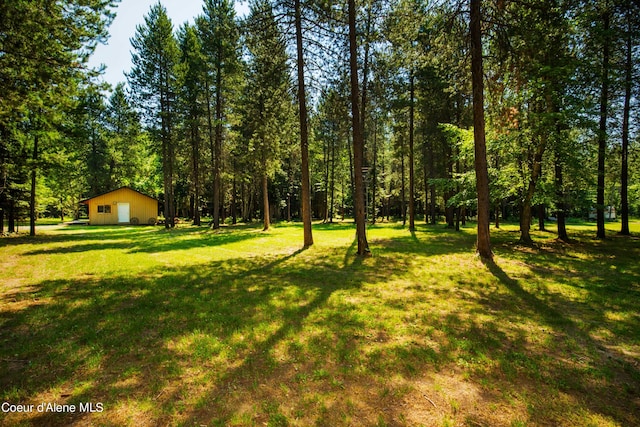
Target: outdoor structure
609, 213
122, 206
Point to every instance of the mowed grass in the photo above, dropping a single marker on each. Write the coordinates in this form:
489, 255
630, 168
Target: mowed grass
242, 327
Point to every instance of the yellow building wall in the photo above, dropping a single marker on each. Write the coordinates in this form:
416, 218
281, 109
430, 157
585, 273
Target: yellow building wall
144, 208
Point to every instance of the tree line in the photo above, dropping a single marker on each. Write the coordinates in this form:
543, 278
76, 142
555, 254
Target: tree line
372, 109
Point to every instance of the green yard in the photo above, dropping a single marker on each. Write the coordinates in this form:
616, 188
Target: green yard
242, 327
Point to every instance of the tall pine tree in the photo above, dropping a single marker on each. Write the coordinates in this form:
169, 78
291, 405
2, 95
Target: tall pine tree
220, 35
153, 78
271, 103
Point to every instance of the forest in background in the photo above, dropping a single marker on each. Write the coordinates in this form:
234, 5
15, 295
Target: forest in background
215, 117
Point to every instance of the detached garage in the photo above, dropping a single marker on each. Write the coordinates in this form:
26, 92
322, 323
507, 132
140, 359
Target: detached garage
123, 206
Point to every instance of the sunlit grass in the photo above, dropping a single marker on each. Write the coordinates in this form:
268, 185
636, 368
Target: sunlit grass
243, 327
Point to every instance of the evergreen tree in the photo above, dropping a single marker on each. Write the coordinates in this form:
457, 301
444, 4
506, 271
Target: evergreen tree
127, 144
269, 84
483, 245
153, 80
403, 35
604, 116
192, 105
43, 53
220, 35
304, 128
631, 33
90, 133
358, 138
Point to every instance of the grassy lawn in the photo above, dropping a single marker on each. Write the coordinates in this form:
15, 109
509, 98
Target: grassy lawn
242, 327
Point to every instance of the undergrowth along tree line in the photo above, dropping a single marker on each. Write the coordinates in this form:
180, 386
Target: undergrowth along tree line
211, 120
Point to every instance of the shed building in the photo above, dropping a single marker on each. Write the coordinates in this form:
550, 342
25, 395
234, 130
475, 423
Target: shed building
123, 206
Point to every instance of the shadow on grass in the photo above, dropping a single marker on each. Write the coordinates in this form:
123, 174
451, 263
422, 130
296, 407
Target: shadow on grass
136, 339
594, 372
310, 338
143, 239
425, 240
606, 271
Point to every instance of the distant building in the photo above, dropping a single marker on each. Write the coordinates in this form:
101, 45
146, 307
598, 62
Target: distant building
123, 206
609, 213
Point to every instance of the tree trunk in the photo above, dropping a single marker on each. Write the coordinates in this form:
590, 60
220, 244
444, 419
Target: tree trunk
525, 224
541, 215
560, 215
325, 196
265, 201
11, 225
412, 208
168, 219
32, 198
172, 201
304, 131
195, 137
250, 203
525, 212
602, 133
499, 201
167, 155
432, 188
425, 177
172, 155
234, 201
403, 208
217, 164
483, 245
245, 202
358, 139
170, 164
363, 103
343, 193
212, 142
365, 71
165, 197
449, 210
374, 181
624, 170
333, 182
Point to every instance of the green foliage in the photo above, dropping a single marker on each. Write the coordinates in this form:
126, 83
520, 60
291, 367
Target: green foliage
153, 78
329, 152
132, 163
43, 53
44, 44
220, 37
269, 109
154, 81
216, 99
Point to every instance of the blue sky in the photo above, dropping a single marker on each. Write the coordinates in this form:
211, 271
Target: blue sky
116, 54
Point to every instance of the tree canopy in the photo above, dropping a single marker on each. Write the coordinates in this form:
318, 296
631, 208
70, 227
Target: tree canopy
387, 93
